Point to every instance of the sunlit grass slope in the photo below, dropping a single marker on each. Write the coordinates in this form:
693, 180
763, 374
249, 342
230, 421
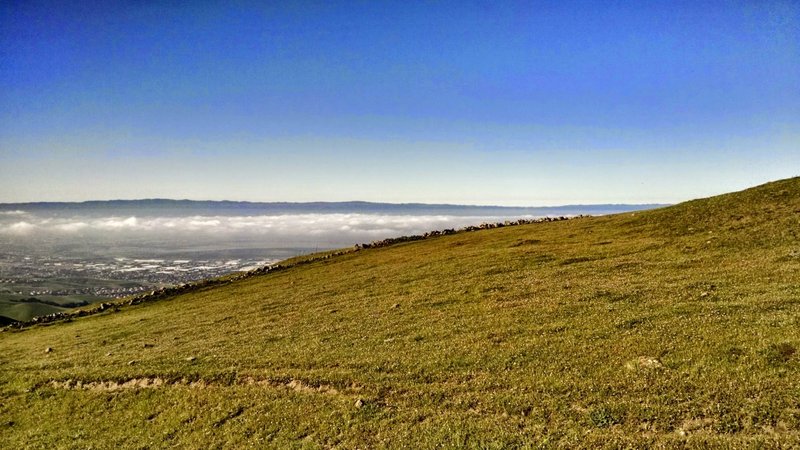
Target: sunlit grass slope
24, 311
672, 327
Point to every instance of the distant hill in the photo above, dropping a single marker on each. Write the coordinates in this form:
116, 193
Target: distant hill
670, 328
25, 311
158, 206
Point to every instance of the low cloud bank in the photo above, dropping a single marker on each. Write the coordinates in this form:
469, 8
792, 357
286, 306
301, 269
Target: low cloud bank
336, 226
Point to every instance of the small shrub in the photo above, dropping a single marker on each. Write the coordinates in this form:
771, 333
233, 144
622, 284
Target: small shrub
368, 408
728, 424
603, 417
734, 353
765, 414
631, 323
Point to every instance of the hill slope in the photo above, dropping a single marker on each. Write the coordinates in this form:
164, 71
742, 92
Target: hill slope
667, 327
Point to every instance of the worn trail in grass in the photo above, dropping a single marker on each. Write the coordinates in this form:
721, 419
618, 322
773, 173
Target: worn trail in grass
669, 327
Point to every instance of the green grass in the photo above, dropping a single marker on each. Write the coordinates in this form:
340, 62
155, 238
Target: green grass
25, 311
18, 307
11, 307
669, 328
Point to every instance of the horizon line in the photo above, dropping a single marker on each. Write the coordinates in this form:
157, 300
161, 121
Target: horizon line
325, 202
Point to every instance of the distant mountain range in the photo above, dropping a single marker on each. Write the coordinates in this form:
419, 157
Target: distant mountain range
255, 208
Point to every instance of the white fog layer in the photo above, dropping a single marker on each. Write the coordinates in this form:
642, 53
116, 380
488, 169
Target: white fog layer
327, 227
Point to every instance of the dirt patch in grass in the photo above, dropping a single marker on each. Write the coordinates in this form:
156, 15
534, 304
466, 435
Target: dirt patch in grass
645, 363
695, 426
523, 242
780, 353
577, 260
159, 382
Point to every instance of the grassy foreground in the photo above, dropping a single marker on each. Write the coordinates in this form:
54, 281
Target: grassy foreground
677, 327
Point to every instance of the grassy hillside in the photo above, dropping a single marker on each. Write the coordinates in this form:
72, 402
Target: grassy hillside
673, 327
24, 311
23, 308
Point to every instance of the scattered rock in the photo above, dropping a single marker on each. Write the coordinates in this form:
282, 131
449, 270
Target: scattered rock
360, 403
131, 362
483, 226
396, 305
646, 363
48, 350
693, 425
146, 345
191, 358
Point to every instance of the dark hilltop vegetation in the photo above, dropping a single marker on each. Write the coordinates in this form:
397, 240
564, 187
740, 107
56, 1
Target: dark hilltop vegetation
674, 327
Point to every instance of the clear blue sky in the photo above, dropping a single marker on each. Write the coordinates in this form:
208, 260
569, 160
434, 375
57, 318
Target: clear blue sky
527, 103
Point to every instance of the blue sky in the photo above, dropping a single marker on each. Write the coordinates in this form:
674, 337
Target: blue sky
527, 103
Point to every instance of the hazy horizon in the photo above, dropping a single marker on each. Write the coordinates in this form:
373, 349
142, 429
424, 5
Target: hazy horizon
172, 201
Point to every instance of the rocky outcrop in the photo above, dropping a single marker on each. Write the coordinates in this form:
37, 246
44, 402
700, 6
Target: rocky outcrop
430, 234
